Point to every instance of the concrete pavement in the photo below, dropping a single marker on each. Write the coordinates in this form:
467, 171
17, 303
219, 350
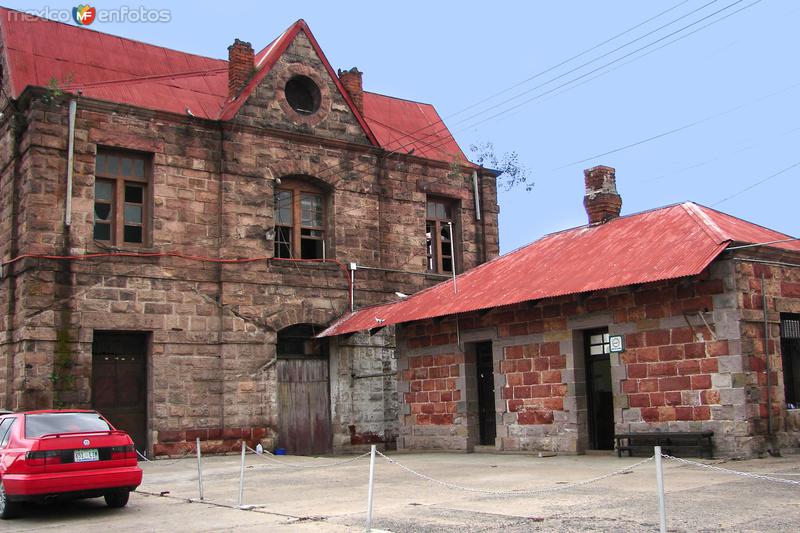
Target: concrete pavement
334, 498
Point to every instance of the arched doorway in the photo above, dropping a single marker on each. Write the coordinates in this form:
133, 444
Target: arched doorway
304, 413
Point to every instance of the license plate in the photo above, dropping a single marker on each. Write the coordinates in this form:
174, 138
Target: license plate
85, 456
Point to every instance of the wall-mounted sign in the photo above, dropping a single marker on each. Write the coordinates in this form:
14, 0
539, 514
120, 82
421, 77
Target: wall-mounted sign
616, 343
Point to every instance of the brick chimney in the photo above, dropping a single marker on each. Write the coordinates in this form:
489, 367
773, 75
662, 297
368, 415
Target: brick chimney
352, 82
241, 62
602, 202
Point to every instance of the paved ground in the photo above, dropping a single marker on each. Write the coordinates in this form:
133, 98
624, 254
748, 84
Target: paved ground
334, 498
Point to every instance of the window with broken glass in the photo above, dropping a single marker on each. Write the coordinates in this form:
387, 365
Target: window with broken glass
299, 221
439, 230
121, 193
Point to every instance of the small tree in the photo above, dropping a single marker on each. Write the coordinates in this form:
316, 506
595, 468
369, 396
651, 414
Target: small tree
512, 172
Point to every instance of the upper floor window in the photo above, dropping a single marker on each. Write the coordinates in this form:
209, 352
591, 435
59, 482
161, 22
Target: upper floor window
299, 221
121, 193
439, 229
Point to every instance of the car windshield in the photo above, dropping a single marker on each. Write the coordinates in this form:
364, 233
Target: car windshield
47, 423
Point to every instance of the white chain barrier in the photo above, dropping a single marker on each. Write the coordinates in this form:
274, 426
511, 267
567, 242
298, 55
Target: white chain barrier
732, 472
267, 456
515, 492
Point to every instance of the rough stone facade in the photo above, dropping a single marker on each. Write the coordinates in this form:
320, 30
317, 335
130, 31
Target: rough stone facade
212, 327
694, 359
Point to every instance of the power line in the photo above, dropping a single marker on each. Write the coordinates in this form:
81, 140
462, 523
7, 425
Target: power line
680, 128
608, 64
756, 184
684, 36
564, 62
441, 121
517, 106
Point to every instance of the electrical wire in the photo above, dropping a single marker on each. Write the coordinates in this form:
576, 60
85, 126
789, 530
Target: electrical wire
757, 183
445, 129
681, 128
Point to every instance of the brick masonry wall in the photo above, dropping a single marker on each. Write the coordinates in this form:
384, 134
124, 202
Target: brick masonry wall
688, 364
213, 328
782, 288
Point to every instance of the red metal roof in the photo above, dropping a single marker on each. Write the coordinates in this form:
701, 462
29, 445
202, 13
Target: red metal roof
405, 126
666, 243
115, 69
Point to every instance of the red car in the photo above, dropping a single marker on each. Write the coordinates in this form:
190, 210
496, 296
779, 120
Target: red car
64, 454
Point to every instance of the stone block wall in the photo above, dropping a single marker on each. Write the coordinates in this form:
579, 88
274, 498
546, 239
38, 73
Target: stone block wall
688, 365
212, 327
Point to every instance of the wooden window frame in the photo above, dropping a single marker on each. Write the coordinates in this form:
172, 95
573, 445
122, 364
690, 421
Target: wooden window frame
297, 188
433, 251
119, 180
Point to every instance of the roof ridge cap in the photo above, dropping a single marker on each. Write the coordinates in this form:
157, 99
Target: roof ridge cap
702, 219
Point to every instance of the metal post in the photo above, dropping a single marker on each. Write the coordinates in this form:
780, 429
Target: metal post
241, 477
199, 468
767, 365
452, 256
662, 513
369, 490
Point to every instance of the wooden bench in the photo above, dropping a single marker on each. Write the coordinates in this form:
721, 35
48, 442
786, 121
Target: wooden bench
691, 443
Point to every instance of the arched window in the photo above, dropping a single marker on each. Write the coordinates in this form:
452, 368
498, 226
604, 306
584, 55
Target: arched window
299, 341
299, 220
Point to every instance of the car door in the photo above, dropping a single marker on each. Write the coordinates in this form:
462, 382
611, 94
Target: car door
5, 435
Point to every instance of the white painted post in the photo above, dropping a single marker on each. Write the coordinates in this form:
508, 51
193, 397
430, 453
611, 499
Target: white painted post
369, 490
662, 513
241, 477
199, 468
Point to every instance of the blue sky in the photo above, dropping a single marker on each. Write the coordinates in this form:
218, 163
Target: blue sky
731, 90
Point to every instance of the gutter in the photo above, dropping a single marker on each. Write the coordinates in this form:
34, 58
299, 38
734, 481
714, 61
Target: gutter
73, 107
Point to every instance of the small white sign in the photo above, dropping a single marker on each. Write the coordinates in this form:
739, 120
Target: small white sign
616, 343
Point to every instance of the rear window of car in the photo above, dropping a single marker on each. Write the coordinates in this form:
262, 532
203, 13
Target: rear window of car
47, 423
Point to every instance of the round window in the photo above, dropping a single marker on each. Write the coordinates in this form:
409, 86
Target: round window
302, 94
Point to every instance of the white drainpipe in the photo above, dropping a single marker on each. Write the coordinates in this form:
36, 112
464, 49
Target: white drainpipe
73, 107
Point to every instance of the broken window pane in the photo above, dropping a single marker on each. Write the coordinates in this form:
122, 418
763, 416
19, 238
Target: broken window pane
102, 211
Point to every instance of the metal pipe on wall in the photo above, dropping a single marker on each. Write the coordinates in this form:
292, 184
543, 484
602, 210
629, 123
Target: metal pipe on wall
767, 358
73, 107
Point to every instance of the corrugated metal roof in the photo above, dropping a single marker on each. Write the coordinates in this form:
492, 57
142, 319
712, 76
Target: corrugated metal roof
666, 243
115, 69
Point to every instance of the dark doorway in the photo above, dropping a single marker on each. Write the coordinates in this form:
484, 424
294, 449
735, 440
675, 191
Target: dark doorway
486, 413
119, 382
304, 415
599, 396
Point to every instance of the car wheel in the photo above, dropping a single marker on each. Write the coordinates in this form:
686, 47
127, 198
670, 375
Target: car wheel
7, 509
116, 499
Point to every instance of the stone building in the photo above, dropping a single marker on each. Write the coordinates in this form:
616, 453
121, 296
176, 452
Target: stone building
176, 229
681, 318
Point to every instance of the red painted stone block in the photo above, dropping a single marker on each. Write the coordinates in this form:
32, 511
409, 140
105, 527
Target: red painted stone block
684, 413
647, 355
648, 385
694, 350
656, 337
639, 400
515, 379
551, 376
541, 363
670, 353
637, 371
523, 391
524, 365
709, 397
530, 378
716, 348
514, 352
662, 369
674, 383
650, 414
702, 381
690, 366
709, 365
540, 391
535, 417
672, 398
702, 412
550, 349
630, 385
681, 335
657, 399
514, 405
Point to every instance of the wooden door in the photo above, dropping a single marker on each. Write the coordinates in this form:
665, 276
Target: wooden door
598, 390
486, 409
119, 382
304, 419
